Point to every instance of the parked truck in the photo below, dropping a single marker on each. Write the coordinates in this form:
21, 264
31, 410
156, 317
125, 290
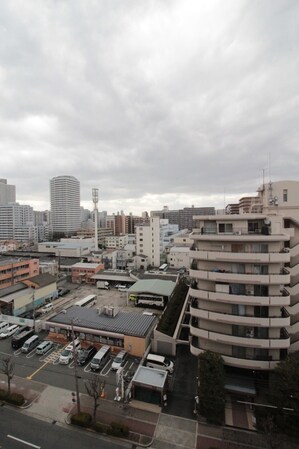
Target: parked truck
104, 285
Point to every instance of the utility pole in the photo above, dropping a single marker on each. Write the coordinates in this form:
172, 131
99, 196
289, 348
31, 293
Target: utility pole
75, 367
33, 310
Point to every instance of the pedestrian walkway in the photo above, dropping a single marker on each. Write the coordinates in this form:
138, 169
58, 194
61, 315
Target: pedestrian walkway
149, 426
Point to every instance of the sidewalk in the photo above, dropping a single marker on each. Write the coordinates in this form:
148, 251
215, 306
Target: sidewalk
149, 426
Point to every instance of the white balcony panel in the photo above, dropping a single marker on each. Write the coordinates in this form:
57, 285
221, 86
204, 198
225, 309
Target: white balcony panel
240, 320
241, 299
249, 364
196, 332
195, 351
223, 256
241, 278
254, 238
241, 341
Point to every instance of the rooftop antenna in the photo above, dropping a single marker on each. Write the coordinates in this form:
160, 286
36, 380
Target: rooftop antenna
95, 200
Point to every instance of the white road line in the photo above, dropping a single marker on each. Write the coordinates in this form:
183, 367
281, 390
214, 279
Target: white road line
22, 441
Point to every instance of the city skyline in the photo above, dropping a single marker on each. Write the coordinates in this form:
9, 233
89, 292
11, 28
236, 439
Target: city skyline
154, 104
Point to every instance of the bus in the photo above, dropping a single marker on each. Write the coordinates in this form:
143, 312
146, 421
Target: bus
163, 267
149, 301
88, 301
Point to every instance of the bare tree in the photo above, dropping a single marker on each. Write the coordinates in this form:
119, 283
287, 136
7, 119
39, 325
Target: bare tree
95, 388
7, 367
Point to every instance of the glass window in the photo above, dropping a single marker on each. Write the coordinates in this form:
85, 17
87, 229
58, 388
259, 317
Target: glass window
285, 195
225, 227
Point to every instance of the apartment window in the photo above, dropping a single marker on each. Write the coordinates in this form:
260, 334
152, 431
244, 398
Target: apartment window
225, 227
260, 248
239, 351
285, 195
260, 269
141, 240
253, 227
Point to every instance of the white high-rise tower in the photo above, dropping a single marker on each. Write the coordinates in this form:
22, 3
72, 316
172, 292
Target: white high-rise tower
95, 200
65, 205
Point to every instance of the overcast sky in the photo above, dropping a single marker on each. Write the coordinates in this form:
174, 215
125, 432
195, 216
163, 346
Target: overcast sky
170, 102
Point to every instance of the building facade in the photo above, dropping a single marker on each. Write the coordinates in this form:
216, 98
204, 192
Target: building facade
148, 241
244, 293
15, 270
65, 205
7, 192
17, 223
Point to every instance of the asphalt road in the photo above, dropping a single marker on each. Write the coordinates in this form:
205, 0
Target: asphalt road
19, 431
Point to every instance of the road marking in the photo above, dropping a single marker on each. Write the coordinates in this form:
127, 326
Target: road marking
22, 441
35, 372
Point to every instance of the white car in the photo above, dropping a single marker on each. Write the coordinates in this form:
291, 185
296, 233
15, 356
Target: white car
9, 331
47, 308
66, 356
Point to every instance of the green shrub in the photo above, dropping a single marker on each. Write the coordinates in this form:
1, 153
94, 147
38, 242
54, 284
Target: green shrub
15, 398
3, 395
81, 419
118, 430
99, 427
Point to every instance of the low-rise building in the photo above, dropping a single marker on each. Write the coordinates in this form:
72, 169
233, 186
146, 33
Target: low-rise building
121, 330
22, 298
84, 271
15, 270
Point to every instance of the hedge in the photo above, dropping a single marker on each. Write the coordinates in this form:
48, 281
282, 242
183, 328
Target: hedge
118, 430
81, 419
12, 398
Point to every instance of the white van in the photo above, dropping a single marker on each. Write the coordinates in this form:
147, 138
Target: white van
47, 307
122, 288
44, 347
30, 344
159, 362
101, 357
3, 325
10, 330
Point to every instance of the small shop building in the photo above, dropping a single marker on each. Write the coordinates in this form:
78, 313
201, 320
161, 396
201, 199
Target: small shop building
107, 325
149, 385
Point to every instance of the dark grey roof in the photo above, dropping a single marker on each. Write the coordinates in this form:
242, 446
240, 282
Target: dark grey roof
128, 323
42, 279
12, 289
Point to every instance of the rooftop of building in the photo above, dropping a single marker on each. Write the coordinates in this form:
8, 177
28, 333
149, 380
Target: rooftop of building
126, 323
41, 280
151, 377
12, 289
153, 286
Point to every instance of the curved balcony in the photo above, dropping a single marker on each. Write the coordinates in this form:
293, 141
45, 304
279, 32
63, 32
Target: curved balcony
238, 236
241, 278
270, 343
269, 322
245, 257
247, 363
280, 300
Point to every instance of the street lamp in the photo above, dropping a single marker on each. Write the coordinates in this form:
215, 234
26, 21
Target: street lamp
73, 320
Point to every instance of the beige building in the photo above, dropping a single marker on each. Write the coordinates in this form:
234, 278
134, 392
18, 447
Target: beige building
244, 294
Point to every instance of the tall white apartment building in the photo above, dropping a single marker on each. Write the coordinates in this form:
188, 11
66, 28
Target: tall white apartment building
17, 222
244, 293
148, 241
7, 192
65, 205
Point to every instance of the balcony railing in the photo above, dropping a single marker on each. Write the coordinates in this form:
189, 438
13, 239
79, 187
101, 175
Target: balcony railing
263, 230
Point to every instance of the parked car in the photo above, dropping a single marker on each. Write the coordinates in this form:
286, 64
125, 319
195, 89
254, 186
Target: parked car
68, 353
44, 347
63, 291
66, 356
47, 308
85, 355
119, 360
9, 331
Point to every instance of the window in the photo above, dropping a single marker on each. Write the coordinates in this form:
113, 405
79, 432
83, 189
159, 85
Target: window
225, 227
285, 195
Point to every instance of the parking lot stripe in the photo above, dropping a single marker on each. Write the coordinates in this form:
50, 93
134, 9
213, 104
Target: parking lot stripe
35, 372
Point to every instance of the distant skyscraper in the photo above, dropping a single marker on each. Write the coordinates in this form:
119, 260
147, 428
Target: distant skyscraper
7, 192
65, 205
